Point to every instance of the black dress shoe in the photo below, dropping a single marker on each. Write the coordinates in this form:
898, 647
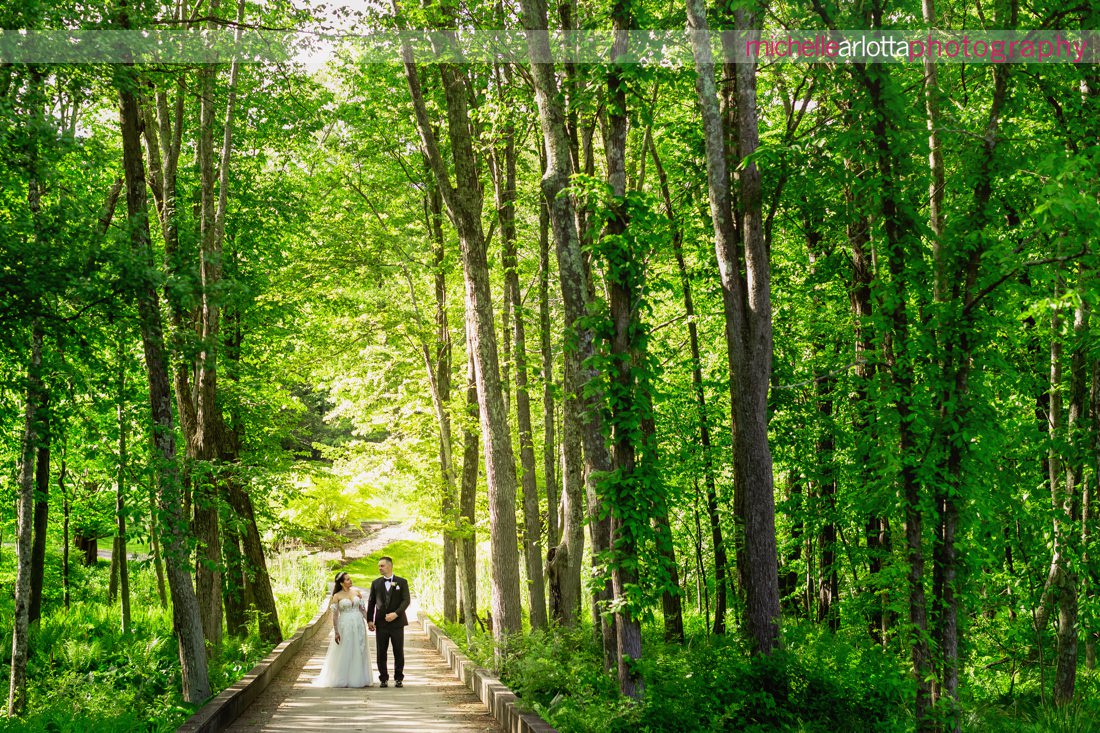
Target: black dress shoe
383, 684
398, 684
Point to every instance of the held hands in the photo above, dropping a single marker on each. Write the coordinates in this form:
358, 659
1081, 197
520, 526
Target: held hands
337, 637
370, 625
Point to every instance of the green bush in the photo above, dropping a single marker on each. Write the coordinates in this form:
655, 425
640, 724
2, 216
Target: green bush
819, 683
114, 681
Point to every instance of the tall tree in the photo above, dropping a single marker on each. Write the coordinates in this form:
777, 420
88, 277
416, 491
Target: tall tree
717, 540
467, 501
120, 484
41, 510
582, 417
438, 363
185, 609
17, 691
549, 412
504, 180
464, 205
747, 305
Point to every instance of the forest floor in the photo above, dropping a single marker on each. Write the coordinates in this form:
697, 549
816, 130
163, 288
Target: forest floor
432, 701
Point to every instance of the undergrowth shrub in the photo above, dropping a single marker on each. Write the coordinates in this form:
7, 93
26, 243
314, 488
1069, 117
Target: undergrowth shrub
818, 684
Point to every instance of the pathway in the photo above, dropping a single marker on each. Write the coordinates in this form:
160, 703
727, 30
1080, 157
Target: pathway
432, 700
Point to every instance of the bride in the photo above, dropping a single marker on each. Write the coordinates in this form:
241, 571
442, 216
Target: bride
348, 661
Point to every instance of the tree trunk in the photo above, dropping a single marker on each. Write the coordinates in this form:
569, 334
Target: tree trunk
38, 471
163, 128
899, 233
532, 524
467, 545
208, 561
899, 243
185, 611
579, 340
464, 204
210, 445
564, 559
1088, 517
233, 580
549, 452
876, 528
237, 596
257, 579
61, 475
236, 586
41, 512
947, 516
120, 491
828, 582
112, 573
439, 374
701, 587
747, 305
789, 580
17, 691
627, 488
956, 271
671, 597
1067, 507
672, 607
154, 546
204, 441
717, 540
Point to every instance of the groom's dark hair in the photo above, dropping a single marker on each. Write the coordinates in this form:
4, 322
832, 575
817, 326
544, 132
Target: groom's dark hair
387, 558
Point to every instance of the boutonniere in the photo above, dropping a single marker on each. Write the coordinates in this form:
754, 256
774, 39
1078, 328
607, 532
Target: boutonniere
397, 587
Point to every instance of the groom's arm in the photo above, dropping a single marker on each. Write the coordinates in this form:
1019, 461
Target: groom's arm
406, 597
370, 605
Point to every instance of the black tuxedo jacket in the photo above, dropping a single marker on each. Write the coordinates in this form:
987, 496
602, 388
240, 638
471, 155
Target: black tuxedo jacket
379, 603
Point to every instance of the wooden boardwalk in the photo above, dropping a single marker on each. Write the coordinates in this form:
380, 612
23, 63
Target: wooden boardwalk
432, 700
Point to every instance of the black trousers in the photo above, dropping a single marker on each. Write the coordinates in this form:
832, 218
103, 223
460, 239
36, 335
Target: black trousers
385, 636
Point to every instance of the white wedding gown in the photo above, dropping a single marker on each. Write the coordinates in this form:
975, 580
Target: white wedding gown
348, 664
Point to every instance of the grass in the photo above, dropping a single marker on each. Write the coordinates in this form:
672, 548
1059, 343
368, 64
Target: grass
297, 581
415, 560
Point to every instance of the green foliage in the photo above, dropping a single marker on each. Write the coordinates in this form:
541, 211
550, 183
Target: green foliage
299, 584
108, 680
1027, 713
819, 683
624, 232
327, 297
318, 503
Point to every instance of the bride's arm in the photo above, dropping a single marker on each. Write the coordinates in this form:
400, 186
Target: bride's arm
362, 606
334, 611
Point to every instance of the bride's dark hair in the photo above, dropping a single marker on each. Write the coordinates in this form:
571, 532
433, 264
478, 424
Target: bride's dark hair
336, 584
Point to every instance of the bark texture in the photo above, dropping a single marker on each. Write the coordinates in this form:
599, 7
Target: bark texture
747, 304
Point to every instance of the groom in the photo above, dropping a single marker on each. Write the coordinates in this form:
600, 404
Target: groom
389, 597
